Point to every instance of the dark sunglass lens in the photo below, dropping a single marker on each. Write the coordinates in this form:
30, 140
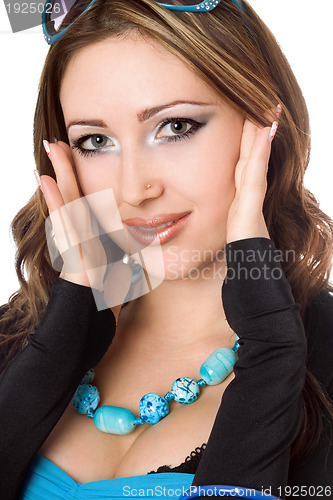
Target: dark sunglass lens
61, 13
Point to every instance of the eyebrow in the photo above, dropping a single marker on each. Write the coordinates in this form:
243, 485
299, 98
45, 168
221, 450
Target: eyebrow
90, 123
142, 116
150, 112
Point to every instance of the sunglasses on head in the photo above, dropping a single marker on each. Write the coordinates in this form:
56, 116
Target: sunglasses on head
59, 15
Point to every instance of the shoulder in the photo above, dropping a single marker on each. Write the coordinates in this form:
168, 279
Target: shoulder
319, 331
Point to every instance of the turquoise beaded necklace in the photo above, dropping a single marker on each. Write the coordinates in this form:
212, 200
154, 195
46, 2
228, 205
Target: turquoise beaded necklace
184, 390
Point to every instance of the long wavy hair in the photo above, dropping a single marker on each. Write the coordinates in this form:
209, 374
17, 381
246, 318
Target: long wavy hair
238, 57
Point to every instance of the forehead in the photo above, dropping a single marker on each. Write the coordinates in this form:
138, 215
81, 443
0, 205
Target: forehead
129, 72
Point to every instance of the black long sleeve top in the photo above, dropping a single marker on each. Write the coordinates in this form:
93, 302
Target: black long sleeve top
260, 412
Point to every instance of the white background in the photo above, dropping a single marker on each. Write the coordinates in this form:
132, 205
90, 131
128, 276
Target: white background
303, 29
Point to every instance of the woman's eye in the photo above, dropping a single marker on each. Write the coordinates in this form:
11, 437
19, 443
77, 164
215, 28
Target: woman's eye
177, 129
95, 142
91, 144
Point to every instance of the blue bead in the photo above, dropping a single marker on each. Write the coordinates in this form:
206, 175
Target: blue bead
218, 366
185, 390
136, 273
139, 421
169, 397
153, 408
236, 344
114, 420
89, 377
86, 398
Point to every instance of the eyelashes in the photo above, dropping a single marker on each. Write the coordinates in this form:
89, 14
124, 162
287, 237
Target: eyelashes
176, 129
97, 142
175, 122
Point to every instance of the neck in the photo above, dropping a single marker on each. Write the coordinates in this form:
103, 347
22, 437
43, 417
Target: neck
180, 315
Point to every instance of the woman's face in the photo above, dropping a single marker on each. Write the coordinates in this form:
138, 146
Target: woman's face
137, 116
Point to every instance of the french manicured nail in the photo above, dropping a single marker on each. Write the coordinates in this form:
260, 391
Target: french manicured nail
278, 111
273, 131
46, 145
38, 180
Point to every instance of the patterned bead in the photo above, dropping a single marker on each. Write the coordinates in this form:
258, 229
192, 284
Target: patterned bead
114, 420
153, 408
185, 389
86, 399
218, 366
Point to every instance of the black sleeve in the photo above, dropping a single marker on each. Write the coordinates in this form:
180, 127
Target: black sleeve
314, 471
38, 384
260, 413
319, 331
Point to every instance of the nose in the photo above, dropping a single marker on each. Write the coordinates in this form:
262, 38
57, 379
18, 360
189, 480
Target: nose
139, 181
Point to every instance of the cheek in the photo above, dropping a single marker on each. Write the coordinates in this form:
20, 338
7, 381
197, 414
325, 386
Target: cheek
84, 176
212, 174
92, 175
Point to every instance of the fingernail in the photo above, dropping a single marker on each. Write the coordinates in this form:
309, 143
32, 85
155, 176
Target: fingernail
38, 180
46, 145
273, 131
278, 111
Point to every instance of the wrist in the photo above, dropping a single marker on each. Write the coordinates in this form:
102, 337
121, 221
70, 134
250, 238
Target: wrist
258, 230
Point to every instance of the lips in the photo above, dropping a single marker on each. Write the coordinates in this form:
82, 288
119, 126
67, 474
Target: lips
157, 230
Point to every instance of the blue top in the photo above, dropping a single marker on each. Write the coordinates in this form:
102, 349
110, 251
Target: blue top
47, 480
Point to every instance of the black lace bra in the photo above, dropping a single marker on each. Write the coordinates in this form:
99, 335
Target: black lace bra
189, 466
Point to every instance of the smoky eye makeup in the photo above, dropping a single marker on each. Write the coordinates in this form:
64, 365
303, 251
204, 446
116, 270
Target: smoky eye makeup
177, 128
183, 125
170, 130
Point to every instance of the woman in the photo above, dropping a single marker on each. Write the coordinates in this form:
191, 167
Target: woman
187, 142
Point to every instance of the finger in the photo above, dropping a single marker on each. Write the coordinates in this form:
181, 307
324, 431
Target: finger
62, 162
70, 216
54, 203
70, 222
67, 150
250, 131
61, 226
61, 219
254, 176
52, 195
74, 211
274, 114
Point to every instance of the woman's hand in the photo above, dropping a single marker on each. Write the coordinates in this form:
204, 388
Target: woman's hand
76, 232
245, 218
71, 222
